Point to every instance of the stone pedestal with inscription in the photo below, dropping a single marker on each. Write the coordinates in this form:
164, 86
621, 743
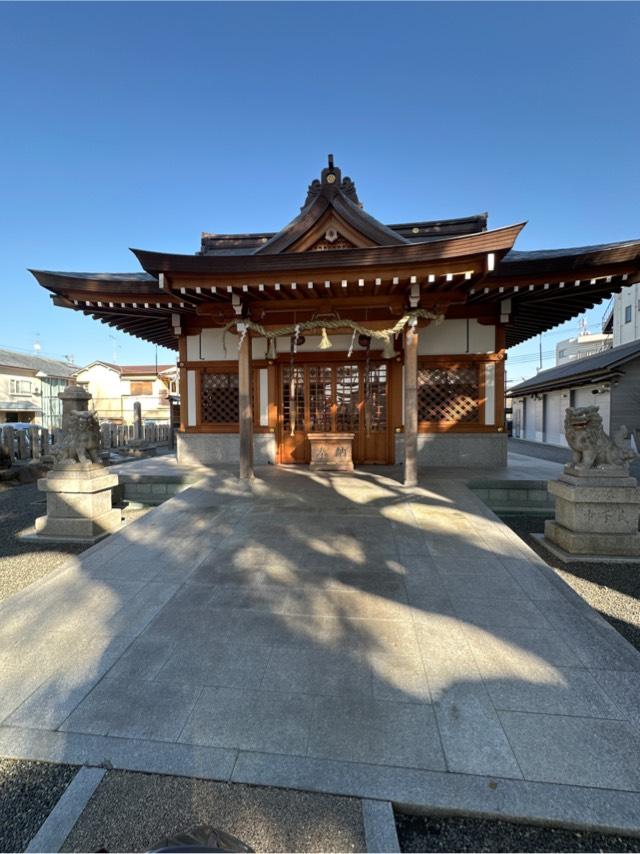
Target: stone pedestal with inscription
597, 512
331, 451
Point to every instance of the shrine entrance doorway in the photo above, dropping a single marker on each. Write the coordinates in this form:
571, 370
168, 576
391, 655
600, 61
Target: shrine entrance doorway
335, 397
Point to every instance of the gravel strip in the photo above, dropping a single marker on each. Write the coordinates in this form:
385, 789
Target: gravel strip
22, 563
133, 812
28, 793
611, 589
437, 833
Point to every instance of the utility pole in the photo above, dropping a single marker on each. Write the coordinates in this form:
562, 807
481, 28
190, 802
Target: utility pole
540, 351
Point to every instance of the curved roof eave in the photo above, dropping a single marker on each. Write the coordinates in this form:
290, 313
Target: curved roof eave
517, 263
496, 240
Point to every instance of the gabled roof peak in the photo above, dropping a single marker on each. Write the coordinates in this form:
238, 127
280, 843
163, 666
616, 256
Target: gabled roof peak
330, 183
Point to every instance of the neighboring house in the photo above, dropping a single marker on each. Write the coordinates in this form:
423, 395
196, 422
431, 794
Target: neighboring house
583, 345
622, 319
29, 386
115, 389
609, 380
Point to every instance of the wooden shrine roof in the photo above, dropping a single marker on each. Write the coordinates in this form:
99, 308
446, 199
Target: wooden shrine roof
452, 261
415, 232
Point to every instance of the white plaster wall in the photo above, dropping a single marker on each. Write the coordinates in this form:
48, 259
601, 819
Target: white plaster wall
450, 338
105, 388
516, 416
603, 400
264, 397
312, 342
490, 393
557, 402
584, 397
191, 398
533, 420
623, 333
212, 347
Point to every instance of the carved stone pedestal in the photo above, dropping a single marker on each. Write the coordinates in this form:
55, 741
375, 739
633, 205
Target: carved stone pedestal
78, 505
597, 512
331, 451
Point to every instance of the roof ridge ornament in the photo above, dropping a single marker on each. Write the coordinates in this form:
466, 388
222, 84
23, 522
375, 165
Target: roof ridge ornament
331, 182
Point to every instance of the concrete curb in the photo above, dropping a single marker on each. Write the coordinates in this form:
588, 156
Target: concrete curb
415, 790
379, 826
58, 825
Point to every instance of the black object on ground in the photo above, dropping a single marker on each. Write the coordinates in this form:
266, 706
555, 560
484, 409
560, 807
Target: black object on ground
454, 833
200, 838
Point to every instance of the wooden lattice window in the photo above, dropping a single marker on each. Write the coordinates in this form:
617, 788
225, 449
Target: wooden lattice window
449, 394
219, 398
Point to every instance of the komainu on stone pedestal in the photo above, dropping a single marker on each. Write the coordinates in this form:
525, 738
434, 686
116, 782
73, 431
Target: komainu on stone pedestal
590, 444
597, 503
82, 439
78, 488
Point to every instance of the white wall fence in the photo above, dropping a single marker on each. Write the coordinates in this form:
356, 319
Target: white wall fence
37, 442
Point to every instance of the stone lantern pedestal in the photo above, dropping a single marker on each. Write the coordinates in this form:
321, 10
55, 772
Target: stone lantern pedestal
597, 513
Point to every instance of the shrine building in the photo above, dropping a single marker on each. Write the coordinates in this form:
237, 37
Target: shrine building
392, 336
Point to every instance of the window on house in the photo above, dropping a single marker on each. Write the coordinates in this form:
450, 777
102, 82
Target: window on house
627, 314
20, 387
562, 354
141, 387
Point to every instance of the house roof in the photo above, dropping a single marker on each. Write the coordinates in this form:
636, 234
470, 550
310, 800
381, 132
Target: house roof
579, 371
127, 369
144, 369
29, 362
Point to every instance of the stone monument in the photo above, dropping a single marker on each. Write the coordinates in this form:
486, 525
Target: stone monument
78, 488
331, 451
597, 501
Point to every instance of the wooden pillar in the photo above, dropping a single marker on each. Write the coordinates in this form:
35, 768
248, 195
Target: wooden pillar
245, 415
411, 405
184, 404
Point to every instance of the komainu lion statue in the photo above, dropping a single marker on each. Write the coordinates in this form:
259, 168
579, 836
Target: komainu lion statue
82, 439
590, 444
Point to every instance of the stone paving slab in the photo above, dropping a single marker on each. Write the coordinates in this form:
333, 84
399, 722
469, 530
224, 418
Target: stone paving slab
322, 619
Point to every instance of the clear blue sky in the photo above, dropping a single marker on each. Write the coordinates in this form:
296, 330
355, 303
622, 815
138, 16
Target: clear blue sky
145, 124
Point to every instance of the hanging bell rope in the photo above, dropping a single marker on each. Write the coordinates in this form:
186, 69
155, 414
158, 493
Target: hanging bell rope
385, 336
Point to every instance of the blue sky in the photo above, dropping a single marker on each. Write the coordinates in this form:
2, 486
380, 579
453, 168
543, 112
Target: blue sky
143, 124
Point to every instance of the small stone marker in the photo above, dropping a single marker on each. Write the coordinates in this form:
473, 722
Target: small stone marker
331, 451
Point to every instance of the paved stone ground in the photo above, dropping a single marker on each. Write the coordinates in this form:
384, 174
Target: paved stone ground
612, 590
151, 807
334, 633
